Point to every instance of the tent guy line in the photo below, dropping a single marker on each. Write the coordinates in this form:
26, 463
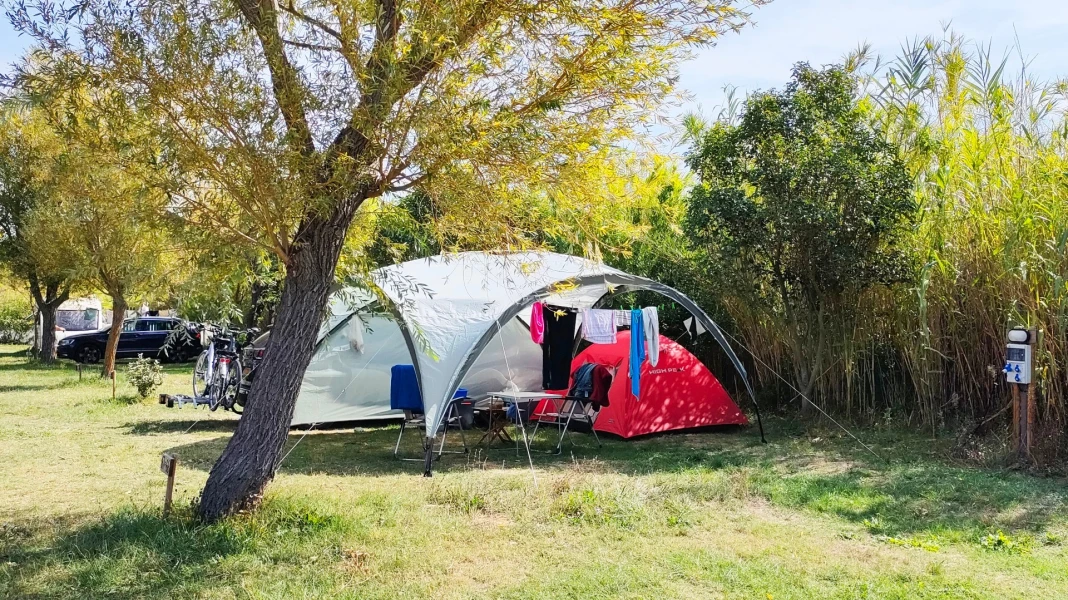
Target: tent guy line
813, 404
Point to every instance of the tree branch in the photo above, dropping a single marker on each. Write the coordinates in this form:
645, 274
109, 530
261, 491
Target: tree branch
412, 183
321, 26
307, 46
285, 79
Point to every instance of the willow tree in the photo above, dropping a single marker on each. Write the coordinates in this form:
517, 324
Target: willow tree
291, 115
103, 220
27, 148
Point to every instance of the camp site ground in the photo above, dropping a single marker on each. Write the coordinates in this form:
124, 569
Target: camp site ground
707, 515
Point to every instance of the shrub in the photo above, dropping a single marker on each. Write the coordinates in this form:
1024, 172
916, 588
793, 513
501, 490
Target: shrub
999, 542
145, 374
15, 320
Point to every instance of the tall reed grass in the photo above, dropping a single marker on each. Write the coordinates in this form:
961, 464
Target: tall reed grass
988, 146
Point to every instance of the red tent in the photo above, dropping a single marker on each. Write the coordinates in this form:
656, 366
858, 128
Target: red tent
678, 393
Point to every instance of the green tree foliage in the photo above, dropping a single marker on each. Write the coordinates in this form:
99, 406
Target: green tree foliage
226, 283
16, 317
28, 148
801, 207
104, 219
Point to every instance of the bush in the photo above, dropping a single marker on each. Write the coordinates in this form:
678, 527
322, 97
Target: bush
999, 542
16, 319
145, 374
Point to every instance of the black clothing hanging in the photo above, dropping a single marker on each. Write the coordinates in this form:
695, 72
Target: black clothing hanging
557, 346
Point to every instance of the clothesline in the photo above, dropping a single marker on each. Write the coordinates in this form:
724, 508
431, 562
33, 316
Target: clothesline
553, 327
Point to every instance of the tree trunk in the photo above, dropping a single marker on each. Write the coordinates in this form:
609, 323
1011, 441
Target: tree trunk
252, 315
47, 302
48, 333
814, 369
808, 409
118, 313
248, 463
35, 348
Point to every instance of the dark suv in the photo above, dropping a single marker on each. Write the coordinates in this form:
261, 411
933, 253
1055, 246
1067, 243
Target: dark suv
143, 335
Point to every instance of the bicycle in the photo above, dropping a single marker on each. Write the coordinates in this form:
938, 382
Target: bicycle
217, 374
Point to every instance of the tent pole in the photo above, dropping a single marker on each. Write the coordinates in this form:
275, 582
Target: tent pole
428, 458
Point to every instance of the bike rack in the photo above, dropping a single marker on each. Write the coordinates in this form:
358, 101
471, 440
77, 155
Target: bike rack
182, 399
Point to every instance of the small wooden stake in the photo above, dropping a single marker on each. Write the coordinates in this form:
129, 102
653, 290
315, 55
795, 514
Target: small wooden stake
113, 385
168, 466
79, 371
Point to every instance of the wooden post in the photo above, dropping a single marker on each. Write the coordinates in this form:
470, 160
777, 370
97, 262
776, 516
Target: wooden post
1016, 415
1023, 408
169, 465
113, 385
1022, 414
79, 371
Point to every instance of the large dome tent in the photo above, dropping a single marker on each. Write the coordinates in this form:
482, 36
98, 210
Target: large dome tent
458, 319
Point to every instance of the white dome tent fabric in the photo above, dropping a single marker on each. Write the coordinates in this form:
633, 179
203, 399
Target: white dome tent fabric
343, 384
457, 314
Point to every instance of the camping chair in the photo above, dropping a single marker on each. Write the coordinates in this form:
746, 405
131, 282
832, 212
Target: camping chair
564, 412
576, 407
404, 395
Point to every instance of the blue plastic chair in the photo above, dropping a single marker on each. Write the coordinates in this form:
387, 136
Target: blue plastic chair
404, 395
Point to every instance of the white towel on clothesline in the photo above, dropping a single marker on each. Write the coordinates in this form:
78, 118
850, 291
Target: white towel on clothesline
651, 322
599, 326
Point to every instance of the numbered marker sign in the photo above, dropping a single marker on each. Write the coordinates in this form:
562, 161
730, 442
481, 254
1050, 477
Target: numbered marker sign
167, 464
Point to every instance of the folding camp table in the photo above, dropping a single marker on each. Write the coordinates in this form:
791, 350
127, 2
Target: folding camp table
521, 400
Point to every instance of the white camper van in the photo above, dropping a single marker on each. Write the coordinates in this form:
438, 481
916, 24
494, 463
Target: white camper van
79, 315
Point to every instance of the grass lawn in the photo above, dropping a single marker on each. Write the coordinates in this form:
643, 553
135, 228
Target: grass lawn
711, 515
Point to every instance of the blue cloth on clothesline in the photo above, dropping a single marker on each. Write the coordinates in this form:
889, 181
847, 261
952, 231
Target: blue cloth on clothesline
637, 350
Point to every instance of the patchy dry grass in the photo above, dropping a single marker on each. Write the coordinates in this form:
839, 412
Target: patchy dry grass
712, 515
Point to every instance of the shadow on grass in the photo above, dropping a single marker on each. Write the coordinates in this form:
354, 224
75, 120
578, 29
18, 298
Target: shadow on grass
57, 384
28, 364
951, 503
126, 555
169, 426
911, 495
137, 553
178, 367
29, 387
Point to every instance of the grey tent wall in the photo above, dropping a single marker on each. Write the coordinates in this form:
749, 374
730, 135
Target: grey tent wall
408, 341
632, 282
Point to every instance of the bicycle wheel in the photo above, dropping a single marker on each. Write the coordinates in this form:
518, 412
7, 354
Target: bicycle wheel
218, 385
200, 375
231, 384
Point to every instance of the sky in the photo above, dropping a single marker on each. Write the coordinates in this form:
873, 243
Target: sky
822, 31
